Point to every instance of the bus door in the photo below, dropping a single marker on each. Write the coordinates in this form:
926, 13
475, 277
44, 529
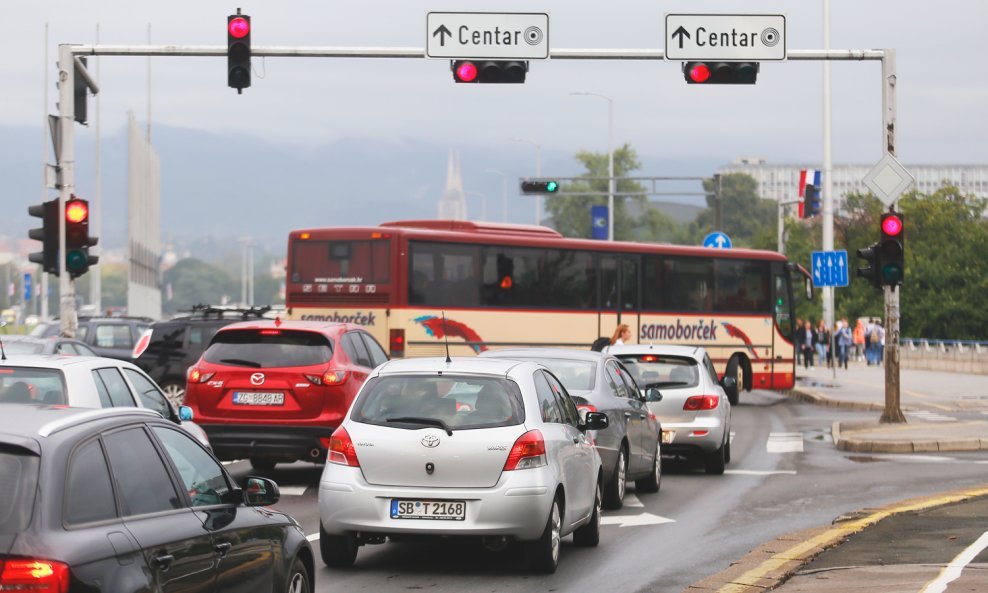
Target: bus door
619, 298
783, 339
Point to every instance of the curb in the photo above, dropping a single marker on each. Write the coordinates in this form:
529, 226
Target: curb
772, 563
815, 397
855, 445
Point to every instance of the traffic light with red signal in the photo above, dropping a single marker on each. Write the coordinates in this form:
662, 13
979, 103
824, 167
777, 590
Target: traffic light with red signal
77, 239
720, 72
47, 234
892, 247
489, 71
238, 51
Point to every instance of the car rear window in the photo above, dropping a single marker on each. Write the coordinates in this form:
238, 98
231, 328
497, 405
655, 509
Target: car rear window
18, 481
462, 402
575, 375
668, 371
268, 348
26, 385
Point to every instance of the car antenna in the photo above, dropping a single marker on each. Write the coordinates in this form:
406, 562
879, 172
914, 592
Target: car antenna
446, 336
3, 354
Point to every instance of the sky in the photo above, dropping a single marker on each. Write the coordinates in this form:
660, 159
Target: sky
941, 49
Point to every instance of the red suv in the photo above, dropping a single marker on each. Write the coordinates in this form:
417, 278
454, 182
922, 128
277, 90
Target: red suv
274, 391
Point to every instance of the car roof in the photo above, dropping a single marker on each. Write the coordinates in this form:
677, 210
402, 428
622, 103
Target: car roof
565, 353
60, 361
471, 365
316, 326
669, 349
33, 421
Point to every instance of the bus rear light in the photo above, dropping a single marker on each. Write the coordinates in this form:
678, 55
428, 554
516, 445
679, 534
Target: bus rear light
305, 236
29, 574
701, 402
396, 343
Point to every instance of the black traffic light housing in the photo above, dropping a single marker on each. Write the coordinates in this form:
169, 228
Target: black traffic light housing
489, 71
892, 249
721, 72
77, 239
80, 91
873, 263
811, 201
539, 186
238, 52
47, 234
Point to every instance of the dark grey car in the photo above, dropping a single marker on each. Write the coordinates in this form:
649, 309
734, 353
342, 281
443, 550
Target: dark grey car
599, 382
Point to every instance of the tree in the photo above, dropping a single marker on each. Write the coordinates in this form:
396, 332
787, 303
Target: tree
195, 282
744, 216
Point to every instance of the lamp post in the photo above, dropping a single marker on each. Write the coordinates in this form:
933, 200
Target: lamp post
504, 193
538, 173
610, 159
483, 203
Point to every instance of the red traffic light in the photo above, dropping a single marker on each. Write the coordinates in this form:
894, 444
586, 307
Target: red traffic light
239, 27
466, 72
892, 225
76, 211
699, 72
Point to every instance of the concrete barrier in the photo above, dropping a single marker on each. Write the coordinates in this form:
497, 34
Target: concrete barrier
957, 359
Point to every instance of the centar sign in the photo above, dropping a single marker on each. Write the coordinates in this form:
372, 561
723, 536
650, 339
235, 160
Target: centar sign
725, 37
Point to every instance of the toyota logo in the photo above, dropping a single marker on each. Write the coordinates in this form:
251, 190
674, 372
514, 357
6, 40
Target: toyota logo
430, 441
257, 379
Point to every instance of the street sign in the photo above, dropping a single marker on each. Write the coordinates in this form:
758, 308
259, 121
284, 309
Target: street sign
491, 35
717, 240
27, 286
888, 179
726, 37
598, 222
829, 268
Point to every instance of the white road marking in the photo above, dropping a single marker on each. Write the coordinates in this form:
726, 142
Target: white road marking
630, 500
730, 439
913, 458
758, 472
292, 490
635, 520
784, 442
953, 570
928, 416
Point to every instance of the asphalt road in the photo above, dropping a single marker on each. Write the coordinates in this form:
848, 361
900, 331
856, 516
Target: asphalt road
785, 475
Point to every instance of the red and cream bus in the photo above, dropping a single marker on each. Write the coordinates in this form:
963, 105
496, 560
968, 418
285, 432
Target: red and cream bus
502, 285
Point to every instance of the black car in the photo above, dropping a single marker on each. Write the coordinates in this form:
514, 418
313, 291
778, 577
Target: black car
113, 337
122, 500
168, 348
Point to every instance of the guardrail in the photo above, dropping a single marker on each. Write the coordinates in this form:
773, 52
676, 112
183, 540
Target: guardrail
962, 356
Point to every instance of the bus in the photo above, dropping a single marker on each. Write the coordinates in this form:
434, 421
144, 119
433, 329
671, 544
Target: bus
424, 286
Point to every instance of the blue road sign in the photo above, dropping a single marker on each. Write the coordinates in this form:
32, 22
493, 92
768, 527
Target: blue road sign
598, 222
27, 287
717, 240
829, 268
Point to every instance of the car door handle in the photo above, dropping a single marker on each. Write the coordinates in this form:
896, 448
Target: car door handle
163, 561
223, 548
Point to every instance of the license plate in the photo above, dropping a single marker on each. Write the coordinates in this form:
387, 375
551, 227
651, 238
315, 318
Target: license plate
668, 436
441, 510
258, 398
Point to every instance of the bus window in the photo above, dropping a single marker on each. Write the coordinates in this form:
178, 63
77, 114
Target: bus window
783, 306
742, 286
569, 280
652, 283
618, 283
444, 274
335, 261
514, 277
693, 286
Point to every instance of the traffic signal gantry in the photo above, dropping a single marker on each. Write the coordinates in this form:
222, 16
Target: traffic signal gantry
238, 51
884, 260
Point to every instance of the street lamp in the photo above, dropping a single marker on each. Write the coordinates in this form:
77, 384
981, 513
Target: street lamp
610, 159
538, 173
483, 203
504, 193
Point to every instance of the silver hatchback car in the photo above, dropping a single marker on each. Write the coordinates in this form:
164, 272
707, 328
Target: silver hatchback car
682, 390
466, 447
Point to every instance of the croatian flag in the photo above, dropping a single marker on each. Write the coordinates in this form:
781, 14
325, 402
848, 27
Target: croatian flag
807, 177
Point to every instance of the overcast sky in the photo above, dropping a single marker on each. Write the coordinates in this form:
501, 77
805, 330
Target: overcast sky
942, 74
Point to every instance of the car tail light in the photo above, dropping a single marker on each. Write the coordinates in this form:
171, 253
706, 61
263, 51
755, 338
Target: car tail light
396, 343
197, 376
328, 378
341, 449
527, 452
29, 574
142, 344
701, 402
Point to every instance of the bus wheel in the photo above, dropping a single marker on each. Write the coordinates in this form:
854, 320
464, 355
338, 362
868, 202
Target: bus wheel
735, 369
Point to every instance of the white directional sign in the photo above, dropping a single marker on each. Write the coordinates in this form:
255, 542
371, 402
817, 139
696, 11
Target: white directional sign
726, 37
493, 35
888, 179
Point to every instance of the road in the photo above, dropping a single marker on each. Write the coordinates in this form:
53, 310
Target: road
785, 475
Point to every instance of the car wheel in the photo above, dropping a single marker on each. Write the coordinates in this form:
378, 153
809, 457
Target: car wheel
298, 579
614, 493
589, 535
653, 481
716, 461
543, 554
259, 463
735, 369
338, 551
174, 391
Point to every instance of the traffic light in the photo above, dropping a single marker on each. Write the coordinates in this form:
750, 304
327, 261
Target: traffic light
238, 51
543, 186
811, 201
77, 239
720, 72
873, 263
81, 92
489, 71
892, 248
47, 234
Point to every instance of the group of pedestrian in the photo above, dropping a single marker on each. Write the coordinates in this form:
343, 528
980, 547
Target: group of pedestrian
822, 344
874, 342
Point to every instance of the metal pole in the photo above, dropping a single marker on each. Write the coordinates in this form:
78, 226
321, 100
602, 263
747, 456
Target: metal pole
892, 413
828, 196
96, 213
43, 297
610, 169
66, 121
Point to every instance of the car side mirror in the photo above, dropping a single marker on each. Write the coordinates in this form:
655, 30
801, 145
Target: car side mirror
730, 386
595, 421
260, 492
652, 393
185, 414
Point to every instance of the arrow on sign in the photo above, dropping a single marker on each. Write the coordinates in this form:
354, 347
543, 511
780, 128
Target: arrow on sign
682, 33
636, 520
443, 32
719, 241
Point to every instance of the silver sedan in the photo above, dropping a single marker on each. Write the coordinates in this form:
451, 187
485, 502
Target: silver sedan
682, 389
466, 447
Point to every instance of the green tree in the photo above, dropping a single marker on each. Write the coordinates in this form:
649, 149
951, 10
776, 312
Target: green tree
193, 282
744, 217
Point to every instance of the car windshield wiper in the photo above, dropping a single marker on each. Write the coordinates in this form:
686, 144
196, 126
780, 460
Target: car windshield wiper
242, 362
427, 421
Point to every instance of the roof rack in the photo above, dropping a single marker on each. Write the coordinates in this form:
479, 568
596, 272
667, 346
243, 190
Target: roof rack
219, 312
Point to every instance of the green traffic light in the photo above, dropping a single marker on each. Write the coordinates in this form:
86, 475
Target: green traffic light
551, 186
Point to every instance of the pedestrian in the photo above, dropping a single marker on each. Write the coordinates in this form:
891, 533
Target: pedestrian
821, 339
859, 341
871, 341
804, 343
844, 342
798, 349
622, 335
